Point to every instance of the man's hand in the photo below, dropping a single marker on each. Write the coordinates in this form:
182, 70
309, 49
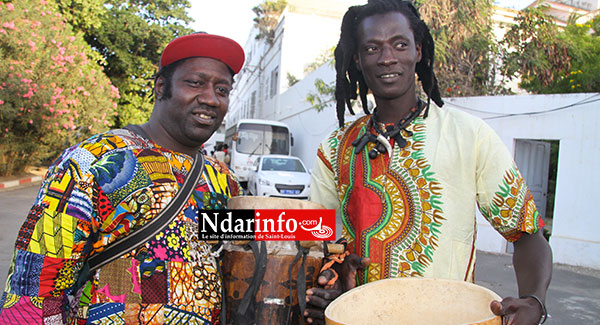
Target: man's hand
320, 297
532, 260
516, 311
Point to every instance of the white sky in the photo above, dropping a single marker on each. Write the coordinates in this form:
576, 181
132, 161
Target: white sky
229, 18
233, 18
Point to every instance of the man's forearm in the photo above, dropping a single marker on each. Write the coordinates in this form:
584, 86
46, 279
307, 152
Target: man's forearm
532, 260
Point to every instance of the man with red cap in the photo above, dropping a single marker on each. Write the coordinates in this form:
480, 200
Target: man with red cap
116, 186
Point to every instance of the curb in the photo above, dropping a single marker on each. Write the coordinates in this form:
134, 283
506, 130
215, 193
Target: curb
19, 182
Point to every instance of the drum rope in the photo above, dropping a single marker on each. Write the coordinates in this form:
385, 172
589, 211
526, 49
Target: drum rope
300, 283
246, 311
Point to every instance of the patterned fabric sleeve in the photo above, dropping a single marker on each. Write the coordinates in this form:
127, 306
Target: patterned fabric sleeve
502, 195
50, 246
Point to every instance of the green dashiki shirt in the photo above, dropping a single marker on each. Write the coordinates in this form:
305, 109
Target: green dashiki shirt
414, 214
95, 193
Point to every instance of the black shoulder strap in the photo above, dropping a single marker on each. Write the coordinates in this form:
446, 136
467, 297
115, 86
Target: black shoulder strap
154, 226
143, 234
151, 228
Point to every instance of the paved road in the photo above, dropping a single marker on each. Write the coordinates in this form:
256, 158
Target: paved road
574, 293
573, 296
14, 205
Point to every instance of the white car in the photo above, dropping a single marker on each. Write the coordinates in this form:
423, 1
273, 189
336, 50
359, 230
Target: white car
279, 176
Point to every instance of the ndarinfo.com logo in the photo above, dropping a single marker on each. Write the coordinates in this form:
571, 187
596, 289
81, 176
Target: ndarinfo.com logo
267, 224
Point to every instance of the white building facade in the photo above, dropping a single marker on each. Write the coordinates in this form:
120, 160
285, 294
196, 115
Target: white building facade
306, 29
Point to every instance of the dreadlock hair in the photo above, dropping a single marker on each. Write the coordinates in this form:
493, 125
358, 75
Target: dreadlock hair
349, 78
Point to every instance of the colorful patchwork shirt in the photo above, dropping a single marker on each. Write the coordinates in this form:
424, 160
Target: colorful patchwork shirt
414, 213
100, 191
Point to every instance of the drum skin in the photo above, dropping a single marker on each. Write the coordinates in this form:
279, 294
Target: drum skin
414, 301
272, 299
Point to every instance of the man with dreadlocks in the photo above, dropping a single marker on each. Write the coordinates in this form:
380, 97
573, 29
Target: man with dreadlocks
406, 178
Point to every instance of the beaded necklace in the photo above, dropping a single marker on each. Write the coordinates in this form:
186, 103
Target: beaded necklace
381, 140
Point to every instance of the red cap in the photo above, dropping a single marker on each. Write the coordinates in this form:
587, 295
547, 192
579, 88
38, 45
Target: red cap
206, 45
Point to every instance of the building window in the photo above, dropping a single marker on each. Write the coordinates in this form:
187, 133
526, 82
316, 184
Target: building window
274, 81
253, 105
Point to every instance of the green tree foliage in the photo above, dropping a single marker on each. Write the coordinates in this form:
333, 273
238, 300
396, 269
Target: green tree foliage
267, 17
82, 14
291, 79
324, 95
465, 45
324, 57
534, 52
52, 92
584, 49
550, 60
130, 36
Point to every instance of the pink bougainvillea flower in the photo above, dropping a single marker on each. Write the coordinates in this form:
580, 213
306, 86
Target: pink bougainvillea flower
10, 6
114, 91
29, 93
9, 25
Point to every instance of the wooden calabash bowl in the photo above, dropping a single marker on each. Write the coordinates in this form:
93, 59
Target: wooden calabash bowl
414, 301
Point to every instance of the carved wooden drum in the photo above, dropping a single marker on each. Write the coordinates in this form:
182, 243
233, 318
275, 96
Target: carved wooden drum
414, 301
272, 303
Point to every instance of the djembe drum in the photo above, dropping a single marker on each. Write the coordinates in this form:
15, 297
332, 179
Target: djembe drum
414, 301
263, 280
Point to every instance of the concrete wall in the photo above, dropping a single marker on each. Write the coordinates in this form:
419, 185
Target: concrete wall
308, 126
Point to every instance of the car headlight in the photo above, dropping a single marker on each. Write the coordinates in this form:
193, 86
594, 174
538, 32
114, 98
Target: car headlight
264, 182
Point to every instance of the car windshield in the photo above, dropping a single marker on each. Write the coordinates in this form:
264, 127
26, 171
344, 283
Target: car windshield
283, 164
